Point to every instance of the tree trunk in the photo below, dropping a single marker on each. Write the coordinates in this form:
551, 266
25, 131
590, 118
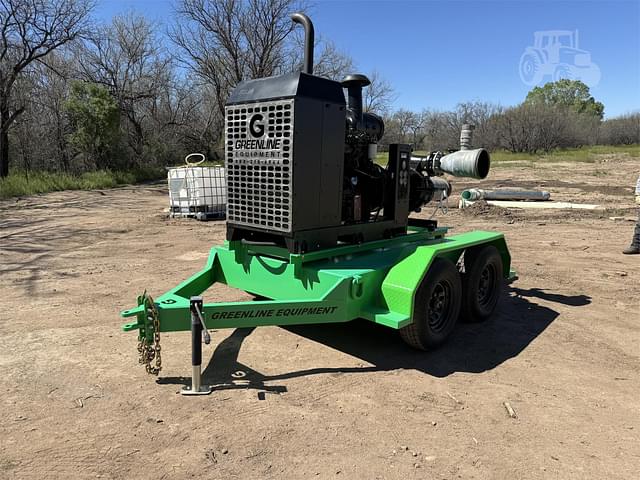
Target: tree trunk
5, 119
60, 140
4, 152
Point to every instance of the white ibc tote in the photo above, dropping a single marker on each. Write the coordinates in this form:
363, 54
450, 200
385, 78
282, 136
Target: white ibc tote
196, 191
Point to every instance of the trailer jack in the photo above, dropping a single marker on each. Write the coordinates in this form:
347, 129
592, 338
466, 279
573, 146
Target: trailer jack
198, 331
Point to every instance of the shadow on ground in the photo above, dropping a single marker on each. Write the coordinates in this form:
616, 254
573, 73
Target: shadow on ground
472, 348
30, 244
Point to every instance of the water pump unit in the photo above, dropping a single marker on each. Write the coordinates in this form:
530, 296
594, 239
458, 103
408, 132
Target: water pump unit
319, 232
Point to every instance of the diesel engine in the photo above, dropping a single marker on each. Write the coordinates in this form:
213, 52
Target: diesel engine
300, 163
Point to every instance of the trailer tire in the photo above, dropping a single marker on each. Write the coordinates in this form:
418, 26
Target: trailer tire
436, 307
481, 284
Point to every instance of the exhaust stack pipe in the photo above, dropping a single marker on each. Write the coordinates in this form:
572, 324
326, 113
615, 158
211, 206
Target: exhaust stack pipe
465, 163
305, 21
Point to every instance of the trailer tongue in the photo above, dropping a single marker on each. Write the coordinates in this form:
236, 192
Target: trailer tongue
319, 233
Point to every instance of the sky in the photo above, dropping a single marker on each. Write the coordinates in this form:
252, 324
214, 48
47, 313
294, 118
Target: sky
438, 53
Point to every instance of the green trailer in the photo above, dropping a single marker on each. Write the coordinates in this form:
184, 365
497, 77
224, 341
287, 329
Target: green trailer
318, 232
419, 284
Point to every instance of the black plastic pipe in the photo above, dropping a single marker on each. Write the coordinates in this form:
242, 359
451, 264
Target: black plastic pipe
309, 35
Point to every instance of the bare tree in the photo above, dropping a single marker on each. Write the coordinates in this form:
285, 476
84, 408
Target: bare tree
187, 114
378, 96
434, 130
398, 127
29, 31
228, 41
53, 77
532, 128
42, 91
127, 58
476, 112
622, 130
329, 61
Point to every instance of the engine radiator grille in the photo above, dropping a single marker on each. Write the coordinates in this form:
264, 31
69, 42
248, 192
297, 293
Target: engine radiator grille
258, 148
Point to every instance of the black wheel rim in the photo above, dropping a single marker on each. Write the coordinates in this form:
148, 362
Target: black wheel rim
439, 306
486, 285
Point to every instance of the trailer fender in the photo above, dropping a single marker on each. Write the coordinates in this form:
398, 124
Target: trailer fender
402, 280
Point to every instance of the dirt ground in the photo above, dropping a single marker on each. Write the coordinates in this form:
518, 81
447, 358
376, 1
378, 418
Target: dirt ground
334, 401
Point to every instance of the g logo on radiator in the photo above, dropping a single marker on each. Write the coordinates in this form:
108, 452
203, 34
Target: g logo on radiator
256, 125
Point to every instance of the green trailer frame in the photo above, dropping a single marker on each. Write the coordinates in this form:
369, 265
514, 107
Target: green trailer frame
375, 280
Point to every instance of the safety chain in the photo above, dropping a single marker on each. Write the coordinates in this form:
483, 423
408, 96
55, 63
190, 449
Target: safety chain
148, 351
